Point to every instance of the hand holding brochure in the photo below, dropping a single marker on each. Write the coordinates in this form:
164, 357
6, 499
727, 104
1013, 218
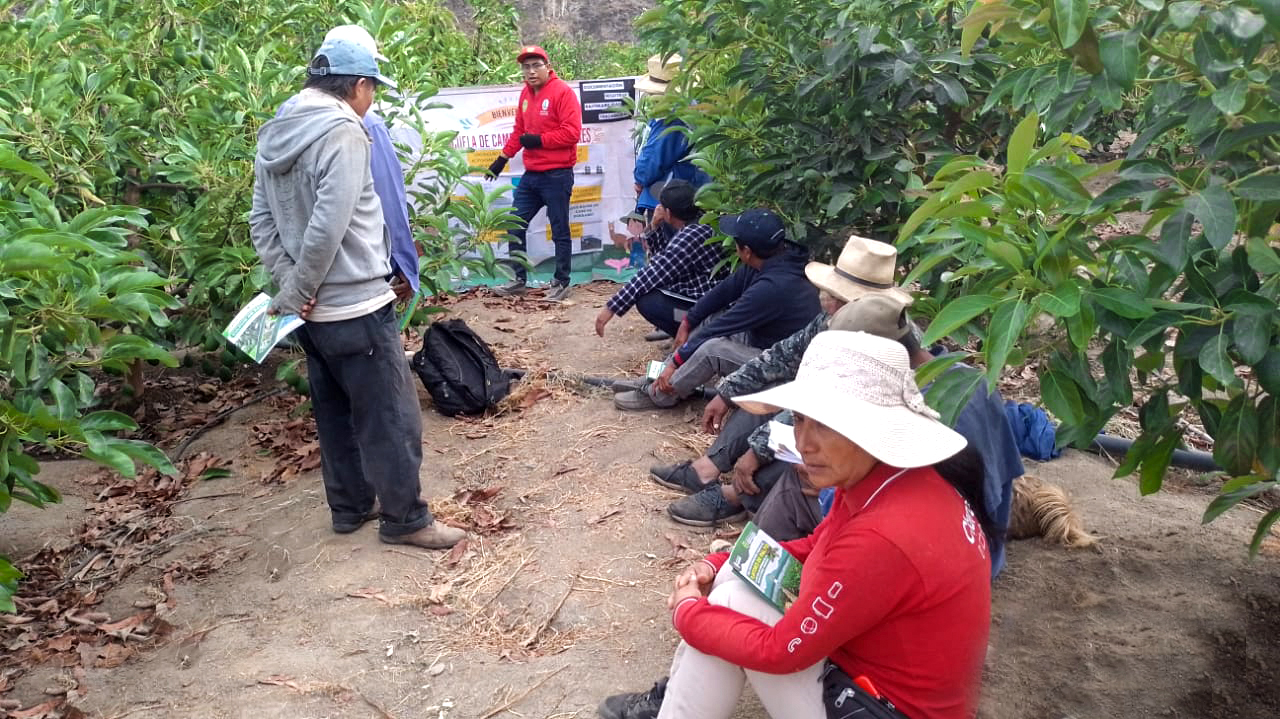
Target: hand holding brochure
764, 565
255, 332
782, 440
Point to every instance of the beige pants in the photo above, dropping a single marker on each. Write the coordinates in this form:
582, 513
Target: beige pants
707, 687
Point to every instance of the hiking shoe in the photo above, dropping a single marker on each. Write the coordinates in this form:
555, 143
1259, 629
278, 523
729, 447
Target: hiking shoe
348, 526
514, 288
639, 705
558, 292
706, 509
432, 536
656, 336
634, 400
681, 477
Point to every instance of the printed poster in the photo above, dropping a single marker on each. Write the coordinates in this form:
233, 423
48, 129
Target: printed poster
603, 186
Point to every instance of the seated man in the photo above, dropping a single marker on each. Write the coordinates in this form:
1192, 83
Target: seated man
678, 271
791, 509
865, 267
756, 472
765, 300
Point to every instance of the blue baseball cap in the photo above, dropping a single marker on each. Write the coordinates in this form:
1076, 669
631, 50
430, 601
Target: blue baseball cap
348, 57
760, 229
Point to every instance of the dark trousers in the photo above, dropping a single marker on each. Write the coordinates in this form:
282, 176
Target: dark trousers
367, 418
660, 308
550, 189
731, 443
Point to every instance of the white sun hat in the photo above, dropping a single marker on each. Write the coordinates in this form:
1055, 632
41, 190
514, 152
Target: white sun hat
862, 387
358, 35
864, 267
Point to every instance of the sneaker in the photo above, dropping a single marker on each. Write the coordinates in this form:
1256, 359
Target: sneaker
558, 292
640, 705
706, 509
656, 336
432, 536
348, 526
514, 288
680, 477
634, 400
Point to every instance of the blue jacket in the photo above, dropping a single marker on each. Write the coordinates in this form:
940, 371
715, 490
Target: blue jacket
663, 157
768, 305
388, 184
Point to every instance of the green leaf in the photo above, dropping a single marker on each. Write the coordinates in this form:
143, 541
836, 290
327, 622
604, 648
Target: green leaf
145, 453
1214, 360
1183, 14
1271, 11
1268, 372
1234, 493
956, 313
1119, 52
1216, 211
108, 421
1152, 5
1007, 323
1125, 303
1062, 301
1262, 187
1235, 445
1156, 463
1230, 97
1262, 257
1175, 234
1117, 359
1243, 24
1251, 329
951, 392
1062, 184
1062, 397
1269, 434
112, 459
1021, 142
929, 371
1071, 16
10, 161
1263, 531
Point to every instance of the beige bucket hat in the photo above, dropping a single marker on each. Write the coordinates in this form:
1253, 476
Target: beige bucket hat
660, 75
862, 387
864, 267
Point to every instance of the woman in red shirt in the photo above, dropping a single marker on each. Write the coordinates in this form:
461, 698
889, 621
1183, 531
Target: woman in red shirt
895, 590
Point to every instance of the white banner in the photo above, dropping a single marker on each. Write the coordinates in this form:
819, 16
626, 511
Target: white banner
603, 187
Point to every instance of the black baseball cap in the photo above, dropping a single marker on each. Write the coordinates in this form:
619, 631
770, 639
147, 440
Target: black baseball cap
678, 197
760, 230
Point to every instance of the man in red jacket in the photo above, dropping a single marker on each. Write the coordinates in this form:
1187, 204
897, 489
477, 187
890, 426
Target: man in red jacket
548, 127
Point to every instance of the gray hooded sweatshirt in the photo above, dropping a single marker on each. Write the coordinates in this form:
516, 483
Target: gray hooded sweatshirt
316, 221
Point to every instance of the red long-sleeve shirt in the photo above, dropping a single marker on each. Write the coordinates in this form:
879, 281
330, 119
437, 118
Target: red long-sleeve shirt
554, 113
896, 586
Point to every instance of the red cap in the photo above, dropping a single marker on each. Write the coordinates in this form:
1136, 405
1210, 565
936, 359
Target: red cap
532, 51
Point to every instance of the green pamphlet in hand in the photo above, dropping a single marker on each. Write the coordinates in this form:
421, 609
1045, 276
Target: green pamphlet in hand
764, 565
255, 332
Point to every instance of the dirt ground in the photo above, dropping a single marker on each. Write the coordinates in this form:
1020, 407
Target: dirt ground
558, 600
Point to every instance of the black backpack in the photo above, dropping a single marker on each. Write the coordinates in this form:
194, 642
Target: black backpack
459, 370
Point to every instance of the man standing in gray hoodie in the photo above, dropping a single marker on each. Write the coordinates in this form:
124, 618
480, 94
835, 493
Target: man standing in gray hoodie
317, 225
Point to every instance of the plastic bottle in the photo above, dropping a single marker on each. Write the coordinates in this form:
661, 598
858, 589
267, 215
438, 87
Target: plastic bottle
637, 253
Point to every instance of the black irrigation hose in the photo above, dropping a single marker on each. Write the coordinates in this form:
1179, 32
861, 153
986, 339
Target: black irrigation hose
1184, 458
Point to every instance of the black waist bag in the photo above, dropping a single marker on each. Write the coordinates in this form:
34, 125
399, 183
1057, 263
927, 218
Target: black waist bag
846, 700
459, 370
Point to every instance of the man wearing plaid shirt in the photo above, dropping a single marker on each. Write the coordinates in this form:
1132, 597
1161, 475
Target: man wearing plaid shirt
677, 273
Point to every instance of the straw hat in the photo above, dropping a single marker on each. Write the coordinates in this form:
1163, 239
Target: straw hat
864, 267
862, 387
660, 75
